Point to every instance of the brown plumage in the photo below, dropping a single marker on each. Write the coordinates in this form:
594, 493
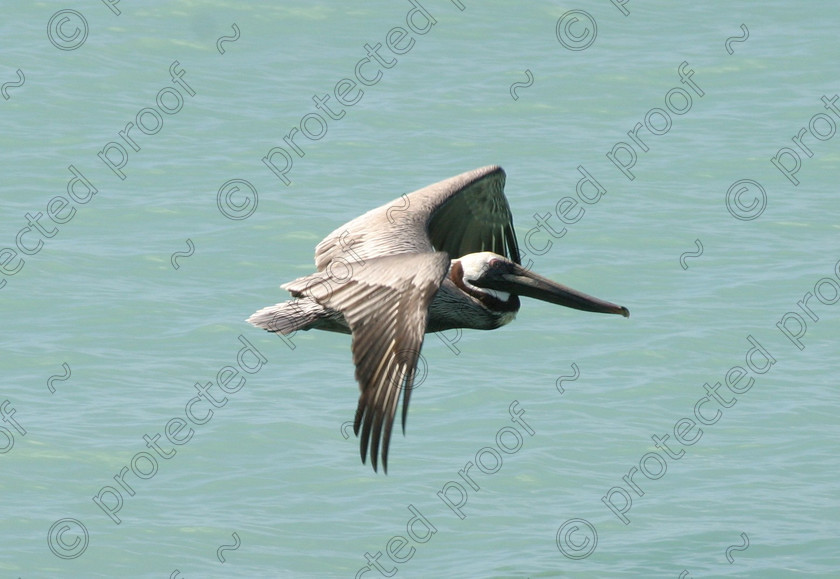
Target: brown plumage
442, 257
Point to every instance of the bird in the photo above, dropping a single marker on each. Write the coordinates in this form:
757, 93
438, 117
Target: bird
442, 257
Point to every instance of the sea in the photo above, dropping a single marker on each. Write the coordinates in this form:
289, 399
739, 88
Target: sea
167, 165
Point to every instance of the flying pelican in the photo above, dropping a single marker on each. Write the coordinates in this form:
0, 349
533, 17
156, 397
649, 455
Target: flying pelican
442, 257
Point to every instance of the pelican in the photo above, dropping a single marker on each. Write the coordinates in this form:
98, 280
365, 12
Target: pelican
442, 257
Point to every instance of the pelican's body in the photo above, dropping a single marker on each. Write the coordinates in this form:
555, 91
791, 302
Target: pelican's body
439, 258
451, 307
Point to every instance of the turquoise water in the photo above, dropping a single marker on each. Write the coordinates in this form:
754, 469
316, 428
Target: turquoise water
105, 339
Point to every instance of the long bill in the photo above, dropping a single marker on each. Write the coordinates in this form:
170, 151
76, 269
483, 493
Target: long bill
522, 282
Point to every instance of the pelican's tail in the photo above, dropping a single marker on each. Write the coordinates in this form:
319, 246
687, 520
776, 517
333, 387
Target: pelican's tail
287, 317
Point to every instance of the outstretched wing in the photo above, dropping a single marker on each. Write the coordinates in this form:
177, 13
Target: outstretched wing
385, 302
464, 214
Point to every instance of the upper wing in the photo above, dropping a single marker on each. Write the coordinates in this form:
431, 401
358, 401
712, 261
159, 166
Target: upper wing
464, 214
385, 302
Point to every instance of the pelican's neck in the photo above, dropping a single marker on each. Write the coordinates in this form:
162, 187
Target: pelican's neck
464, 270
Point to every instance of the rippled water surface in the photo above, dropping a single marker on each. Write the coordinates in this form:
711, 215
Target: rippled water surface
698, 438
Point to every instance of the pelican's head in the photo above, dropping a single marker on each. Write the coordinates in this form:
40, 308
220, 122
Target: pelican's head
499, 277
